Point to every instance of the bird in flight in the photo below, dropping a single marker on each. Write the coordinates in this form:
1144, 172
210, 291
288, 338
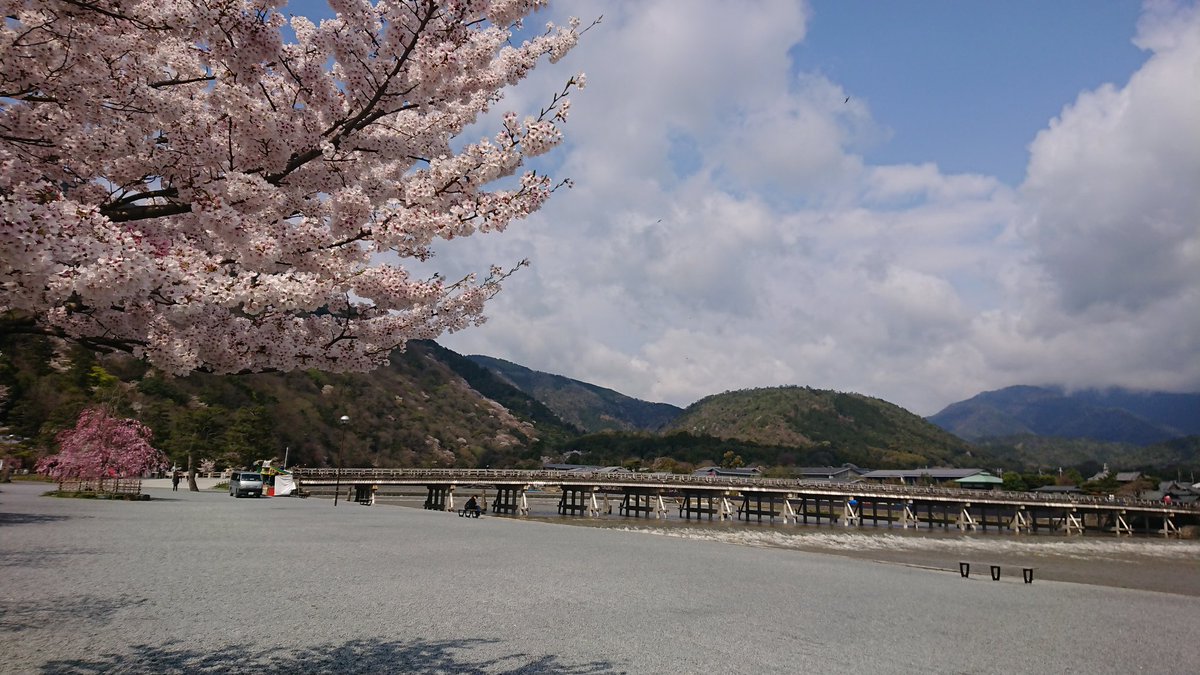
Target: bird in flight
847, 100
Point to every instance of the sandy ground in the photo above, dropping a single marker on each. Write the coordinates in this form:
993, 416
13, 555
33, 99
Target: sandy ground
201, 582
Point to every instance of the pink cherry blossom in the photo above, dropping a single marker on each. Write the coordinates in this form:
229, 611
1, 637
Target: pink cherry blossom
102, 446
180, 182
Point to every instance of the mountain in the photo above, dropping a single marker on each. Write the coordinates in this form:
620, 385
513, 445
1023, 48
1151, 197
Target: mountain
1089, 456
857, 428
586, 406
427, 407
1115, 415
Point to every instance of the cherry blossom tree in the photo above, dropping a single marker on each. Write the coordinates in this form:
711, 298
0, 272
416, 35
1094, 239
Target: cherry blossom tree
186, 181
101, 447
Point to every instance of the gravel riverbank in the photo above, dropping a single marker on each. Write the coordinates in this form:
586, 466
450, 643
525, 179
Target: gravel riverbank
201, 582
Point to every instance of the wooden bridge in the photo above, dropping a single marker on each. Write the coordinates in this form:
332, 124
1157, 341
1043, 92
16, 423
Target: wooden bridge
794, 501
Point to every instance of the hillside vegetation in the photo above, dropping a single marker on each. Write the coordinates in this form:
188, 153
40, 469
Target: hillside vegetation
416, 411
1088, 456
853, 427
432, 407
1115, 416
586, 406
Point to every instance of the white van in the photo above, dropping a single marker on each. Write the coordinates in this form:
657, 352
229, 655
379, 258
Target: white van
243, 483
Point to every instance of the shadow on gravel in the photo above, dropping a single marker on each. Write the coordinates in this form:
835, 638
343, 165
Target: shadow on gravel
29, 518
16, 616
358, 656
40, 557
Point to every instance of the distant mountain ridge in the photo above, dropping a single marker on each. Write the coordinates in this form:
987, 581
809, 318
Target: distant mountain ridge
1112, 415
851, 427
589, 407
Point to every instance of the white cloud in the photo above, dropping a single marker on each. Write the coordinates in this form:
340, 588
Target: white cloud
725, 232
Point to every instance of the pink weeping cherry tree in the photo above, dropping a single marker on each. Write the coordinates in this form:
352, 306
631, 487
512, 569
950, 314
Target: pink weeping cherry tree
215, 185
101, 450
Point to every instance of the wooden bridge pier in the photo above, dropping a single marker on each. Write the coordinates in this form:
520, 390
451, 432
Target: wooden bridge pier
1071, 522
594, 510
1020, 520
365, 494
745, 511
441, 497
511, 499
1169, 528
851, 512
575, 500
639, 502
965, 520
693, 504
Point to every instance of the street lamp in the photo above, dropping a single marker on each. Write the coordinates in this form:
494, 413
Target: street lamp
337, 479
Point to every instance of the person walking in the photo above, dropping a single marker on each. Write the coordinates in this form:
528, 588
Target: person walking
175, 481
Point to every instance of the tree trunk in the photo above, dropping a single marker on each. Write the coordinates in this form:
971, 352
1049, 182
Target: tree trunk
191, 475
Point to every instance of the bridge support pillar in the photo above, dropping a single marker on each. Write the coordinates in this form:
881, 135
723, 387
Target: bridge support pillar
693, 504
752, 506
909, 517
1120, 525
574, 500
727, 510
965, 521
441, 498
851, 513
790, 517
365, 494
1169, 527
1019, 520
660, 510
511, 499
1071, 523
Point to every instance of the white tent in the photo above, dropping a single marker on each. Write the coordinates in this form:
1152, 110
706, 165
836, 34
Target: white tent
284, 485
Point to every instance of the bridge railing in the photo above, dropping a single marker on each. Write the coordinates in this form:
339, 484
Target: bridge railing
784, 484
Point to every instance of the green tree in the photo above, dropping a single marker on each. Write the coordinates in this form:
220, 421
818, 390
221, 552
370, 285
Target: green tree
249, 436
197, 433
730, 460
1014, 482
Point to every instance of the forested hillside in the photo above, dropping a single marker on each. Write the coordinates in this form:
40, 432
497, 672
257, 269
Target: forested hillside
1114, 416
587, 406
417, 411
852, 427
433, 407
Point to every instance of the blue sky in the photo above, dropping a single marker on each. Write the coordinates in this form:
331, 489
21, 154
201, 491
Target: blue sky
968, 84
1008, 197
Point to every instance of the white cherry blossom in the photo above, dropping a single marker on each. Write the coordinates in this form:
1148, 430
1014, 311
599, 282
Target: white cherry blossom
179, 182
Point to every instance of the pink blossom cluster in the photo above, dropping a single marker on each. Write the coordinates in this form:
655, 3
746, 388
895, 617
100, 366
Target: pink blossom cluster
103, 446
178, 181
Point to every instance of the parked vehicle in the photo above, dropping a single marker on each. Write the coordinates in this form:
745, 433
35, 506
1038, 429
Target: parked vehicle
243, 483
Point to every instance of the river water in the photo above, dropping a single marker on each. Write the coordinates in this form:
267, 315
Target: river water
1140, 562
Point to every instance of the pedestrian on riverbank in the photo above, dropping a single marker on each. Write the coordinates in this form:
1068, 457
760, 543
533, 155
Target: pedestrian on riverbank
175, 482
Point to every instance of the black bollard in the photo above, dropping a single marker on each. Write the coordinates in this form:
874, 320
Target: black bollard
1027, 572
964, 568
995, 573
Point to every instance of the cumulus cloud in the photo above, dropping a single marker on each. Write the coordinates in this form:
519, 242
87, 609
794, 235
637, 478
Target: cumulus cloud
725, 231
